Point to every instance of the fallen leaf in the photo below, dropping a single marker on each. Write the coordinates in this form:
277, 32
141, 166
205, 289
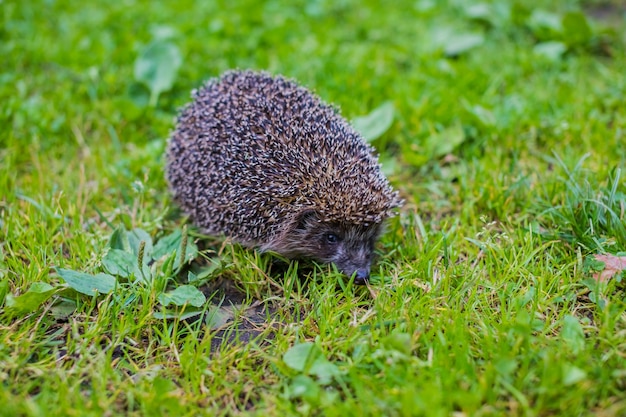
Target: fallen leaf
613, 265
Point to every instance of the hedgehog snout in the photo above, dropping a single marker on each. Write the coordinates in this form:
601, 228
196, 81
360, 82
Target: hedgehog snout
354, 262
362, 275
360, 272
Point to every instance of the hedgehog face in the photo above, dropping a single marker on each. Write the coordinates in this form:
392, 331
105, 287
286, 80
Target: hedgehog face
349, 246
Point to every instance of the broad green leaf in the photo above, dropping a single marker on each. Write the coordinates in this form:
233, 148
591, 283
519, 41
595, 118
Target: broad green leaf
461, 43
185, 294
173, 242
300, 356
399, 341
576, 29
135, 237
444, 142
168, 249
214, 268
481, 12
167, 244
544, 24
177, 314
302, 386
572, 334
120, 263
425, 5
551, 50
309, 359
593, 264
156, 67
119, 240
37, 294
86, 283
324, 370
377, 122
163, 32
572, 375
63, 310
122, 259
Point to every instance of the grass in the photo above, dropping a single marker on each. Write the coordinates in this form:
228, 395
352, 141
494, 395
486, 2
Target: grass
507, 144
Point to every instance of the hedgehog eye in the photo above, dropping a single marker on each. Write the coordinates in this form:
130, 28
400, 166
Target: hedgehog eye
331, 238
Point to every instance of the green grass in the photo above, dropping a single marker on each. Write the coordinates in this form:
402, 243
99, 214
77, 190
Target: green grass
508, 145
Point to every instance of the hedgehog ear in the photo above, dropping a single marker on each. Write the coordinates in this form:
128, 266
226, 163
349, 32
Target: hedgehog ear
305, 217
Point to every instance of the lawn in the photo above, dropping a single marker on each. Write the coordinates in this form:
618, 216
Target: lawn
498, 289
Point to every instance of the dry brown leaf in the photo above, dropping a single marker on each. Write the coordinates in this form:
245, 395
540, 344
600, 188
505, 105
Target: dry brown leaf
613, 265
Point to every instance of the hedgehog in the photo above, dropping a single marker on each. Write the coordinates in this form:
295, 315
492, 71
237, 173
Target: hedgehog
265, 162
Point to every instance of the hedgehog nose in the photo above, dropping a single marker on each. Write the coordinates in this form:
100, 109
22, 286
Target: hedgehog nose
361, 276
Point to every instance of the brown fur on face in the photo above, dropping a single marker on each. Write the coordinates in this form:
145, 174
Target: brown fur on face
349, 246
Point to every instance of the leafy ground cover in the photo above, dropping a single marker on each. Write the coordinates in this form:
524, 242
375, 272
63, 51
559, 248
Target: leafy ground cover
498, 289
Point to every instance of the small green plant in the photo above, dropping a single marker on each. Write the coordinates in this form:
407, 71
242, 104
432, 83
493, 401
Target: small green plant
156, 67
376, 123
131, 260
